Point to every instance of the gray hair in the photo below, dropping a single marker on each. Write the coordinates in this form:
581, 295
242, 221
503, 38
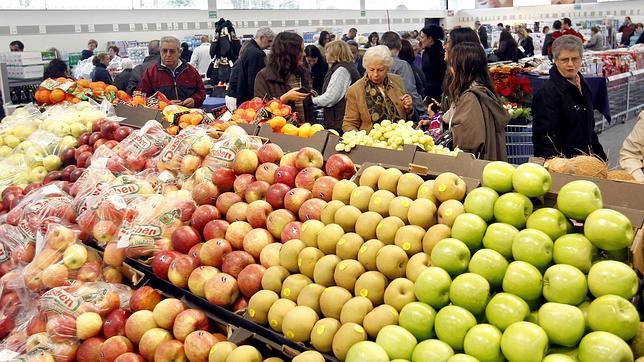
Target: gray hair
378, 52
567, 42
127, 63
153, 47
353, 43
170, 39
265, 32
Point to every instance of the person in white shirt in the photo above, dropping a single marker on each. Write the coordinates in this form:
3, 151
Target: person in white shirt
200, 58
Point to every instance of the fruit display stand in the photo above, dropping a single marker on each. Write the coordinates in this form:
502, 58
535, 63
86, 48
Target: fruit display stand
136, 116
361, 154
290, 143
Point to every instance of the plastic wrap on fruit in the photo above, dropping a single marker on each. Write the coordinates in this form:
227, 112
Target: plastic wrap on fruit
90, 183
185, 153
150, 220
15, 250
247, 111
15, 303
225, 149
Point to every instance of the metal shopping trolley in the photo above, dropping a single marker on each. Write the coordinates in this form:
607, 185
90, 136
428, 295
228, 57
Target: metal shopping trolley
518, 142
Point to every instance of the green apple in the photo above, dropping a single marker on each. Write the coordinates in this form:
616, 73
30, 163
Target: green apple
613, 314
575, 250
5, 151
550, 221
533, 317
608, 229
558, 357
452, 255
564, 324
431, 350
77, 129
37, 174
396, 341
563, 283
532, 246
497, 175
523, 279
52, 162
366, 351
483, 341
12, 141
470, 229
513, 208
583, 307
67, 142
524, 341
451, 325
498, 237
504, 309
612, 277
462, 358
480, 201
418, 319
605, 347
617, 255
531, 180
432, 287
490, 265
470, 291
577, 199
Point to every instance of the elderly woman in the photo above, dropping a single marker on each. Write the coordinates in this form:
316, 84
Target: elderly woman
563, 120
378, 96
596, 41
341, 75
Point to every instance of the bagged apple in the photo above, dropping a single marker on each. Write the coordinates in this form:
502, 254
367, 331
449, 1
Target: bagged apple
185, 153
15, 250
15, 302
225, 149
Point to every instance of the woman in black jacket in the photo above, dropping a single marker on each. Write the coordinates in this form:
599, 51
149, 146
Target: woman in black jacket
508, 47
100, 69
407, 54
526, 42
433, 60
318, 65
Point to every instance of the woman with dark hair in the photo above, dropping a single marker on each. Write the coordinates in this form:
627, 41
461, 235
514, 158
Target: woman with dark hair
460, 35
100, 69
323, 40
56, 69
433, 60
508, 47
407, 54
285, 77
186, 54
372, 40
318, 66
476, 116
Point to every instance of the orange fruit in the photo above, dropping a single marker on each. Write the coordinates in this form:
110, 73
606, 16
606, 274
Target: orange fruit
83, 82
75, 100
111, 88
122, 95
277, 122
172, 130
44, 96
162, 104
61, 79
183, 124
196, 119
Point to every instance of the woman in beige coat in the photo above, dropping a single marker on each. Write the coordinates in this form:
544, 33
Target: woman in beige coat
378, 95
631, 156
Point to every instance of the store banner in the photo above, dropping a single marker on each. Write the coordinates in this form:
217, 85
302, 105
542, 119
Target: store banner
483, 4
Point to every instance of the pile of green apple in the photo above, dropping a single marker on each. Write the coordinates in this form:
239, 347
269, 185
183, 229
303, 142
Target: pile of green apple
432, 274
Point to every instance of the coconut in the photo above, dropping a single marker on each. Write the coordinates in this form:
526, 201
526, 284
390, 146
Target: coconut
558, 164
619, 175
588, 166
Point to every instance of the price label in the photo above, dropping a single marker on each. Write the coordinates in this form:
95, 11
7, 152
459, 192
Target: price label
90, 28
42, 29
115, 27
132, 27
145, 26
77, 28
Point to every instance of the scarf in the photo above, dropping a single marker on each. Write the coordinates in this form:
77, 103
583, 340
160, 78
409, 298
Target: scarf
379, 105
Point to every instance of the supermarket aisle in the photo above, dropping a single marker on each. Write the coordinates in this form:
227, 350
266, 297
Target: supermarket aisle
612, 140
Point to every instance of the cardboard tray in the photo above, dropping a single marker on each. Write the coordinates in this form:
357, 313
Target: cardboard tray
136, 117
294, 143
366, 154
251, 129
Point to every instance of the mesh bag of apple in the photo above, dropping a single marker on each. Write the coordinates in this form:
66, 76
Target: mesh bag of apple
18, 127
137, 151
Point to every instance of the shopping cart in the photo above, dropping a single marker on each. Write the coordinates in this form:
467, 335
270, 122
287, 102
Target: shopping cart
518, 142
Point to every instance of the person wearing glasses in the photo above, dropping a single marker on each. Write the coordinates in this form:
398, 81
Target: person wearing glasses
175, 78
563, 122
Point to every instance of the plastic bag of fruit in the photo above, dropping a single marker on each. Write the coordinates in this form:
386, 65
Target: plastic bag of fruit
16, 128
15, 250
247, 111
185, 152
225, 149
274, 108
15, 303
150, 220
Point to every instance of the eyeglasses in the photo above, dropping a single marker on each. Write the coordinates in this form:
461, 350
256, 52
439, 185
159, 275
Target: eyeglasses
574, 60
169, 51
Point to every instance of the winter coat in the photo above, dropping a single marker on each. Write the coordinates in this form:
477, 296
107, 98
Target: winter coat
180, 84
252, 60
334, 114
121, 80
434, 68
137, 72
528, 46
563, 119
101, 74
483, 36
269, 84
631, 156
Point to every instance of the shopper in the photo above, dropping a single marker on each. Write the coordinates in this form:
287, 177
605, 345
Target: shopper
200, 58
372, 40
627, 29
122, 79
351, 35
323, 40
482, 32
16, 46
596, 41
378, 96
566, 25
233, 83
152, 58
418, 56
563, 120
407, 54
341, 75
476, 116
357, 58
186, 53
556, 33
414, 34
457, 36
546, 40
89, 52
251, 62
400, 67
631, 156
175, 78
508, 48
500, 27
434, 64
318, 66
113, 52
56, 69
100, 73
285, 77
526, 42
635, 38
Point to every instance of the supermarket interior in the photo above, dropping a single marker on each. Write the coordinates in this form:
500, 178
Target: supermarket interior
322, 180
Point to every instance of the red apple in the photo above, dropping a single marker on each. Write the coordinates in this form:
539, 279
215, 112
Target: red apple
250, 279
76, 174
277, 220
340, 166
240, 304
226, 200
203, 215
215, 229
84, 159
270, 152
237, 212
242, 182
184, 238
311, 209
108, 128
212, 252
308, 157
144, 298
198, 344
121, 133
114, 347
68, 156
188, 321
113, 255
169, 351
291, 231
194, 253
295, 198
288, 159
111, 144
246, 161
286, 175
81, 149
236, 232
256, 191
223, 178
307, 177
95, 136
256, 240
323, 187
205, 193
180, 270
161, 263
99, 142
52, 176
135, 162
114, 324
257, 212
83, 139
90, 350
234, 262
64, 174
222, 290
129, 357
266, 172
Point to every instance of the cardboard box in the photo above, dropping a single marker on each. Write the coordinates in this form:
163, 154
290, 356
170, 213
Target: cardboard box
366, 154
136, 117
463, 164
294, 143
251, 129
